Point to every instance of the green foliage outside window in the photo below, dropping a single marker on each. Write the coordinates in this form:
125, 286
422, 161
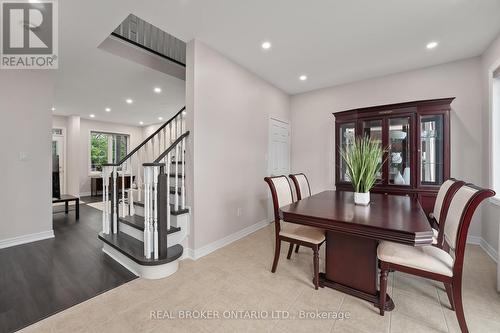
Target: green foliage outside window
98, 151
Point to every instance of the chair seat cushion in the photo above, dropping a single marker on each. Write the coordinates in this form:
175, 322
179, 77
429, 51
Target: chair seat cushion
426, 258
302, 233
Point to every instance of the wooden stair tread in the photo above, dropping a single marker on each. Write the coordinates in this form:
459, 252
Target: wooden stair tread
137, 221
134, 249
172, 211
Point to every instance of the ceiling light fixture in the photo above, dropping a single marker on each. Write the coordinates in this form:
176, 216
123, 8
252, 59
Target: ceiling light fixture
266, 45
107, 109
157, 90
141, 123
303, 77
129, 101
53, 109
92, 116
160, 118
432, 45
184, 113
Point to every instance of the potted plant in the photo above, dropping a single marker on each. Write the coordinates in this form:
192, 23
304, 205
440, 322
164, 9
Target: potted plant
363, 160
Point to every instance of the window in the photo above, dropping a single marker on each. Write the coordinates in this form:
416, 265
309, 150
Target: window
107, 148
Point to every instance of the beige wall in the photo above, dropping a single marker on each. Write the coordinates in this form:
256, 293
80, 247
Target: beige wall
228, 111
491, 212
313, 139
25, 198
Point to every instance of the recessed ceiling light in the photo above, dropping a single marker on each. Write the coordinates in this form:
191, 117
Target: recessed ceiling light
432, 45
266, 45
184, 113
107, 109
141, 123
303, 77
157, 90
129, 101
53, 109
160, 118
92, 116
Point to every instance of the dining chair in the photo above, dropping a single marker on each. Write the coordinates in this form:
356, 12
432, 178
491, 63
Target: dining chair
432, 262
311, 237
302, 187
437, 217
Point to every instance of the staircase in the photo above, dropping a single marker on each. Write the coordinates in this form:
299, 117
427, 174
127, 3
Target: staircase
145, 226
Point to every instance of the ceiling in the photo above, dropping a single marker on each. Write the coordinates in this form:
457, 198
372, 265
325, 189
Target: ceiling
89, 79
331, 41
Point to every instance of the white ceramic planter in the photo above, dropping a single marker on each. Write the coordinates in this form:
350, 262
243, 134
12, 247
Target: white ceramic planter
362, 199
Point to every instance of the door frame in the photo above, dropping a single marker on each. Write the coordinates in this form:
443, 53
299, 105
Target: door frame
63, 136
270, 207
269, 136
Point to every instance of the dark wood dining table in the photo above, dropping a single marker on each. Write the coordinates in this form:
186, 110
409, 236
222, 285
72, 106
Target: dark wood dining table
353, 233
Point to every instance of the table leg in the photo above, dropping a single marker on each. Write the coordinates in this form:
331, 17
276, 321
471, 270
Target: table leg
351, 267
66, 207
77, 209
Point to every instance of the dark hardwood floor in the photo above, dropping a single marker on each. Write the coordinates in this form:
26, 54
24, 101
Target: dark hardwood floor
45, 277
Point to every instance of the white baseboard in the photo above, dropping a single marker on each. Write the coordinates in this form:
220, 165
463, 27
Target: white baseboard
26, 239
87, 194
476, 240
209, 248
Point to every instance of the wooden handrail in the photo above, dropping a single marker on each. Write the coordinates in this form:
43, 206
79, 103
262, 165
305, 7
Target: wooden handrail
123, 160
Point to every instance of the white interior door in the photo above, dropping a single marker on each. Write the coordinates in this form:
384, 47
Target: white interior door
278, 155
279, 148
58, 149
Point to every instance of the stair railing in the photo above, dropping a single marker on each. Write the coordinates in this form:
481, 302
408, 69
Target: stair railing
115, 173
157, 175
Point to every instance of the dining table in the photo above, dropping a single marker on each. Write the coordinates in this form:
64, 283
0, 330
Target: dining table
353, 233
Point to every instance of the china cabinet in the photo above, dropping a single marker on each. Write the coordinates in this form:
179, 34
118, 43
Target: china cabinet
417, 135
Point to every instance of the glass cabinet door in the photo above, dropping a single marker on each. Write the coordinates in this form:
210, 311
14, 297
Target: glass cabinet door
347, 134
399, 158
431, 150
373, 129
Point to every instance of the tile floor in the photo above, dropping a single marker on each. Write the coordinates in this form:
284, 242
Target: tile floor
238, 278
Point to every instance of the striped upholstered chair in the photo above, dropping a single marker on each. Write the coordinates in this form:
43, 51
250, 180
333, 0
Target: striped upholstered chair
432, 262
438, 216
294, 234
302, 187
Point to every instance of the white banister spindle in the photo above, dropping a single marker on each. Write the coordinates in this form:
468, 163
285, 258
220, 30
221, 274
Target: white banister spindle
147, 212
168, 166
115, 197
177, 127
131, 190
158, 139
155, 212
153, 155
165, 138
105, 199
124, 208
139, 174
183, 174
176, 175
170, 133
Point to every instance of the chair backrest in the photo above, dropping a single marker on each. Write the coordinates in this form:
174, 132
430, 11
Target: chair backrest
302, 187
444, 192
460, 213
281, 191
